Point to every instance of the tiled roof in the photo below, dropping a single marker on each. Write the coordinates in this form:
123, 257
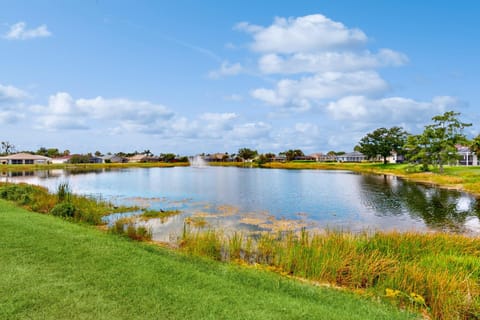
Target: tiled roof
25, 156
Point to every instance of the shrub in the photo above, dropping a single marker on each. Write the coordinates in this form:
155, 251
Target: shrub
64, 209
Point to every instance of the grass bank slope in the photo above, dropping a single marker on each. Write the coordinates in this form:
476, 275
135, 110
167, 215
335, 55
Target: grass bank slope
52, 269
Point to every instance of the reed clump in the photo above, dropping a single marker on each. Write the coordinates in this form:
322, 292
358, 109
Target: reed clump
436, 273
129, 228
63, 203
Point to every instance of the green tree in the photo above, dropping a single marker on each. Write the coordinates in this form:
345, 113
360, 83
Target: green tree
167, 157
79, 158
247, 153
445, 132
475, 145
383, 142
436, 145
292, 154
50, 152
417, 150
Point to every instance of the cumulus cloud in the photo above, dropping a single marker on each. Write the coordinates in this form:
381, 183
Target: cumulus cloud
11, 93
328, 85
251, 130
19, 31
11, 104
318, 60
302, 34
393, 110
226, 69
329, 61
123, 109
63, 112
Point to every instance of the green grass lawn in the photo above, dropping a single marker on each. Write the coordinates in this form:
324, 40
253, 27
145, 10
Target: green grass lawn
53, 269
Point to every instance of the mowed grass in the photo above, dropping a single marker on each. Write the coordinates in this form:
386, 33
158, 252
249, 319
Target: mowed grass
54, 269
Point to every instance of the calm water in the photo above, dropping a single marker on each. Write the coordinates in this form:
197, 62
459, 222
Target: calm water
234, 197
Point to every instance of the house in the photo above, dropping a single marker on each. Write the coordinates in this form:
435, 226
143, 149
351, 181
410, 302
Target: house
466, 156
113, 158
24, 158
60, 160
217, 157
280, 159
395, 158
95, 159
305, 158
351, 157
321, 157
142, 158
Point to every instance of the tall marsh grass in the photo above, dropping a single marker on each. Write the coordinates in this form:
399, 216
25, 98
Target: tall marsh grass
437, 273
63, 203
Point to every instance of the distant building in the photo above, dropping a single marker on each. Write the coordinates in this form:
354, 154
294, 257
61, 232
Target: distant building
305, 158
217, 157
351, 157
466, 156
142, 158
60, 160
25, 158
395, 158
280, 159
113, 158
321, 157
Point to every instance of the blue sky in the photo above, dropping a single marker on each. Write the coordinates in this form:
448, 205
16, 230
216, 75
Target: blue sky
214, 76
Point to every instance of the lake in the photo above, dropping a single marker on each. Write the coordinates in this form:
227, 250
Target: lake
256, 199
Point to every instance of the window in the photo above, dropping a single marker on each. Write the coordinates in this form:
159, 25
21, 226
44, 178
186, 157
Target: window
28, 161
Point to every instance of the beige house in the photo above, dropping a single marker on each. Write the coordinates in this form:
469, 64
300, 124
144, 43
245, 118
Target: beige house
24, 158
320, 157
142, 158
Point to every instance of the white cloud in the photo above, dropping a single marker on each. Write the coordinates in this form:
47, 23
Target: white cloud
11, 93
10, 117
328, 85
303, 34
387, 111
63, 112
226, 69
329, 61
143, 112
19, 31
251, 130
319, 60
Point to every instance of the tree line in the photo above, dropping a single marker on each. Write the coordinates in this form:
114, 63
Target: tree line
435, 146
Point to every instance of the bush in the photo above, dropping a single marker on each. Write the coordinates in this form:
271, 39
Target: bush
64, 209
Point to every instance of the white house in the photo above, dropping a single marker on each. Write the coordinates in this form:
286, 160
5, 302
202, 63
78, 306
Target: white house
61, 160
24, 158
351, 157
467, 157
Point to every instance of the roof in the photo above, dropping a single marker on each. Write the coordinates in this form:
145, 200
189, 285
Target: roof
461, 148
138, 157
62, 158
110, 156
25, 156
353, 154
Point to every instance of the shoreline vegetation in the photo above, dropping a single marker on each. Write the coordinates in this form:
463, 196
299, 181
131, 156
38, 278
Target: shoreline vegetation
436, 274
53, 269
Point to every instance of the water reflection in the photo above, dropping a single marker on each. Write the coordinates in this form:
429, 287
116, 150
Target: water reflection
439, 209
